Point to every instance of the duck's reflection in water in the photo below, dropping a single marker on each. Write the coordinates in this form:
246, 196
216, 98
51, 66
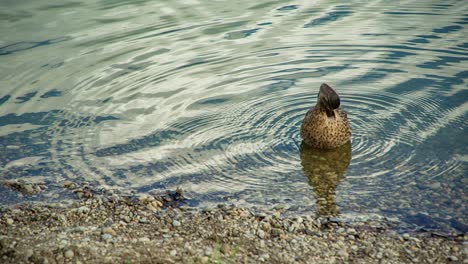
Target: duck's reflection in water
325, 169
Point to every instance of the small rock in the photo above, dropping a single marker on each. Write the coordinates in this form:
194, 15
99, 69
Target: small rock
453, 258
109, 230
28, 189
83, 210
9, 221
208, 251
143, 220
261, 215
69, 254
173, 252
261, 234
342, 253
406, 236
262, 243
29, 253
151, 207
78, 229
279, 207
226, 249
157, 203
146, 198
175, 223
106, 237
144, 239
68, 184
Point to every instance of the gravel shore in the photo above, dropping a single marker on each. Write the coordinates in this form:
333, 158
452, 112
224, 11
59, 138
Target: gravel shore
110, 228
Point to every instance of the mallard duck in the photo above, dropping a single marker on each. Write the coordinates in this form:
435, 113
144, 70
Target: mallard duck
326, 125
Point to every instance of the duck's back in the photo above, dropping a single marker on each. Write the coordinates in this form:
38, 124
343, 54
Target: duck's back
320, 131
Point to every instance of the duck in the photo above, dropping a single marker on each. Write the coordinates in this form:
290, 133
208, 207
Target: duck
326, 125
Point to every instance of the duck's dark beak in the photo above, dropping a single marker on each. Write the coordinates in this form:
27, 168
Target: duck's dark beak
328, 99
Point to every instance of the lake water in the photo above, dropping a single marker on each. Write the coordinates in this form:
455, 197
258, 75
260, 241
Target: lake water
209, 96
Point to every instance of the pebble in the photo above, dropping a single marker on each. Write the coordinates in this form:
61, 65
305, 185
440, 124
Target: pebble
109, 230
261, 234
262, 243
453, 258
226, 249
106, 237
69, 254
208, 251
144, 239
173, 252
68, 184
279, 207
28, 188
175, 223
83, 210
29, 253
151, 207
78, 229
342, 253
9, 221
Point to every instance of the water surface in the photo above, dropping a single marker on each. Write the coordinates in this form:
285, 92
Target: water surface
209, 96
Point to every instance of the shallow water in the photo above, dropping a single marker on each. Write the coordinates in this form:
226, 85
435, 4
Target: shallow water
209, 96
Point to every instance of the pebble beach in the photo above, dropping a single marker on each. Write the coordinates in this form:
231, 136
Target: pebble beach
105, 227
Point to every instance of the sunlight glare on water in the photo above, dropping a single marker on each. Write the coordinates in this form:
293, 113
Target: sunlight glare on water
209, 96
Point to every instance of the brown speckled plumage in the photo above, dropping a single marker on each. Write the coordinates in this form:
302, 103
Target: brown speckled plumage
326, 125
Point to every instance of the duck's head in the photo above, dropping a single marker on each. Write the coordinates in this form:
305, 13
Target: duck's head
328, 99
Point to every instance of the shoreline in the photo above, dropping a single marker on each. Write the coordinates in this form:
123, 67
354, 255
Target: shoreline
109, 228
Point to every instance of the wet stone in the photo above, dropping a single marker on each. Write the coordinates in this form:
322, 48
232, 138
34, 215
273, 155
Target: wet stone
106, 237
175, 223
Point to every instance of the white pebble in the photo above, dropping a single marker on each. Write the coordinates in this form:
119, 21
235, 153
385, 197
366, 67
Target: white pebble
69, 254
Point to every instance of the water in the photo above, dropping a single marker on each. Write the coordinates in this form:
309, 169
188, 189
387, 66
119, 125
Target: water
209, 96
